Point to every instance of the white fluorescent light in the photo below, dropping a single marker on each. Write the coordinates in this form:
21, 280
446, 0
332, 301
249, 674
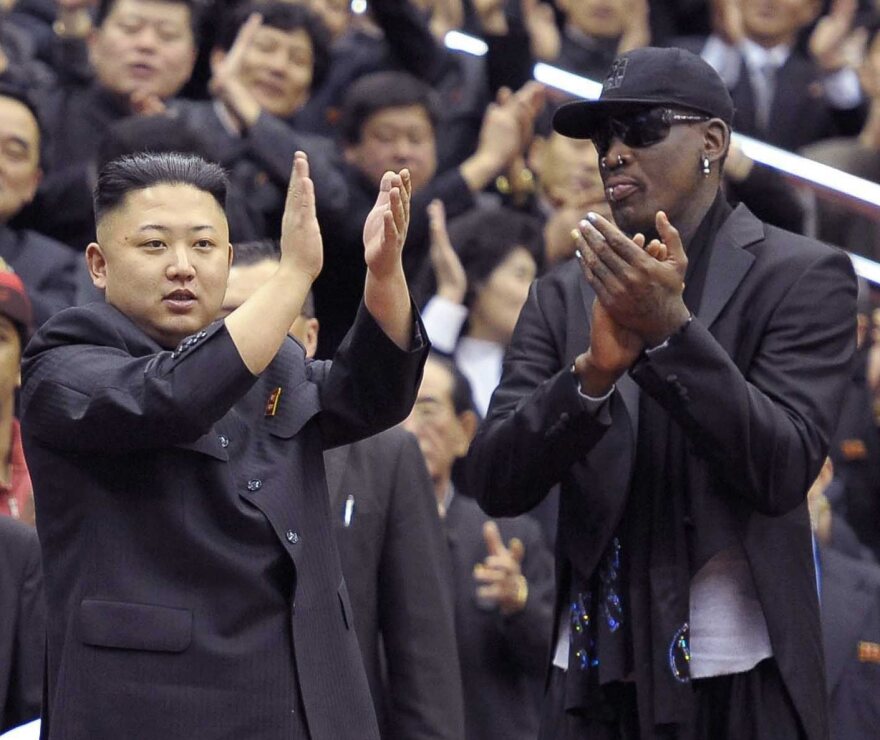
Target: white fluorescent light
570, 83
458, 41
868, 269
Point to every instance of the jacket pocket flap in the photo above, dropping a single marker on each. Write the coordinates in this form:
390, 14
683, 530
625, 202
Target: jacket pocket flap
294, 408
118, 624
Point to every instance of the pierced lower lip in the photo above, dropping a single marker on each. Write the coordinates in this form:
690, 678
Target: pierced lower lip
617, 193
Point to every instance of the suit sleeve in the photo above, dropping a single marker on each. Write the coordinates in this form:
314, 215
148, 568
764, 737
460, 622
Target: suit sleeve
83, 391
371, 384
766, 428
538, 425
416, 612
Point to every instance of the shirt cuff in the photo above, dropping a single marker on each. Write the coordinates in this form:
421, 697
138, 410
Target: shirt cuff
842, 89
443, 320
596, 406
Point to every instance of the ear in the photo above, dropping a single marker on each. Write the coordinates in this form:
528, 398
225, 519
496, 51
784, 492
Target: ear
34, 184
231, 254
311, 344
468, 422
97, 265
716, 140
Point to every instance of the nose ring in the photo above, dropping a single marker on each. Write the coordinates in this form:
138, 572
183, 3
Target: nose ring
603, 163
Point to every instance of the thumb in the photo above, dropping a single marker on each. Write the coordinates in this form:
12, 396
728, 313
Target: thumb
517, 549
492, 536
670, 237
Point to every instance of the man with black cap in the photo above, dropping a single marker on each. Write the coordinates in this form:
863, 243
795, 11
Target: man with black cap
682, 388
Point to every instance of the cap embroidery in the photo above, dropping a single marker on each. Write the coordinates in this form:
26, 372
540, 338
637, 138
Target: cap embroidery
615, 74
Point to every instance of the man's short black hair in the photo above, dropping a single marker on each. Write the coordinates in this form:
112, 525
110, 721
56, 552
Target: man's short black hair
462, 395
156, 134
262, 250
105, 7
285, 17
138, 171
379, 91
485, 237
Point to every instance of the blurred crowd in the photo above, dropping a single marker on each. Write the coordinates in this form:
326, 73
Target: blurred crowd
369, 87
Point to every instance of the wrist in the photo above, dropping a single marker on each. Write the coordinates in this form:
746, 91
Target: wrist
479, 170
675, 326
594, 380
451, 293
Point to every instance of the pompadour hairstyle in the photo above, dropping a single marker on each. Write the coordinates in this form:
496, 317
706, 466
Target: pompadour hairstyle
133, 172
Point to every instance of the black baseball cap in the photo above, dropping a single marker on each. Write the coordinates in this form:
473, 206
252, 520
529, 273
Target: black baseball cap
647, 77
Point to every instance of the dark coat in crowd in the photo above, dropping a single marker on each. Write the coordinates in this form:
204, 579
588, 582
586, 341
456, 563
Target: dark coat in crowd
503, 659
850, 601
192, 578
396, 568
22, 624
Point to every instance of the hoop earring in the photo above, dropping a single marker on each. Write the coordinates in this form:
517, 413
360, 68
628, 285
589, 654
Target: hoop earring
707, 167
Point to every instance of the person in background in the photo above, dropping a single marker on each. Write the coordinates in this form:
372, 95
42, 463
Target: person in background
503, 592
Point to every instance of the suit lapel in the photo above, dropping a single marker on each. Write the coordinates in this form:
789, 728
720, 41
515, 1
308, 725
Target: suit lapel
728, 262
844, 604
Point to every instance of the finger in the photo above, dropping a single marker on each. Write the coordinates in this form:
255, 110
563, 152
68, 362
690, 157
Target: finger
657, 250
670, 237
406, 191
390, 230
517, 549
605, 263
397, 211
242, 40
492, 537
503, 95
619, 242
485, 575
489, 593
592, 280
639, 240
503, 562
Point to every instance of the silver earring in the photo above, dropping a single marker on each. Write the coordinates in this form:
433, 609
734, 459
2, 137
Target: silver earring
707, 167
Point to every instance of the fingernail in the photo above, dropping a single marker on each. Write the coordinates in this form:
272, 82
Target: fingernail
591, 217
583, 223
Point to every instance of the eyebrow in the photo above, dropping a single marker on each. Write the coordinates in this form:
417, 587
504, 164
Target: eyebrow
165, 229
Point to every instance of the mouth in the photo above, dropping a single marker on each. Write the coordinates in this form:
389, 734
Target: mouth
141, 71
272, 89
618, 189
180, 301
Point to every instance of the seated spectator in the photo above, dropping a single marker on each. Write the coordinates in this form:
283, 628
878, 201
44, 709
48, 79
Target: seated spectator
392, 552
786, 91
47, 269
16, 493
141, 53
267, 58
389, 122
22, 624
480, 289
503, 593
849, 591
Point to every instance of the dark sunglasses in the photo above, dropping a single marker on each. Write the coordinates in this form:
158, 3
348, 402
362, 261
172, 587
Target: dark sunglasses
640, 128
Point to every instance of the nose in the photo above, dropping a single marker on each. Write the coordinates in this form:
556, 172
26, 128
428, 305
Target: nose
147, 38
180, 267
277, 62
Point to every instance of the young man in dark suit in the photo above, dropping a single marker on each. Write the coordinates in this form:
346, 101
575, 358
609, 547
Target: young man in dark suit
193, 584
682, 385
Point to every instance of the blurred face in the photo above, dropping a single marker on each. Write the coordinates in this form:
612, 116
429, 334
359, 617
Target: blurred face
277, 68
10, 358
772, 22
662, 176
568, 170
243, 283
499, 300
442, 436
603, 18
162, 258
394, 138
144, 46
19, 157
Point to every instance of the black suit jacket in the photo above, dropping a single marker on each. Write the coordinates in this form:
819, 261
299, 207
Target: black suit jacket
755, 381
851, 629
193, 584
50, 271
502, 658
396, 568
22, 624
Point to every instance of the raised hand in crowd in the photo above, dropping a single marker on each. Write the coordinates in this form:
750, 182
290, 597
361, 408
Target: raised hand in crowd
540, 22
500, 580
448, 271
226, 84
835, 43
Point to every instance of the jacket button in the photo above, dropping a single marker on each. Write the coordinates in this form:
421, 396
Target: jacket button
254, 485
224, 440
292, 537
